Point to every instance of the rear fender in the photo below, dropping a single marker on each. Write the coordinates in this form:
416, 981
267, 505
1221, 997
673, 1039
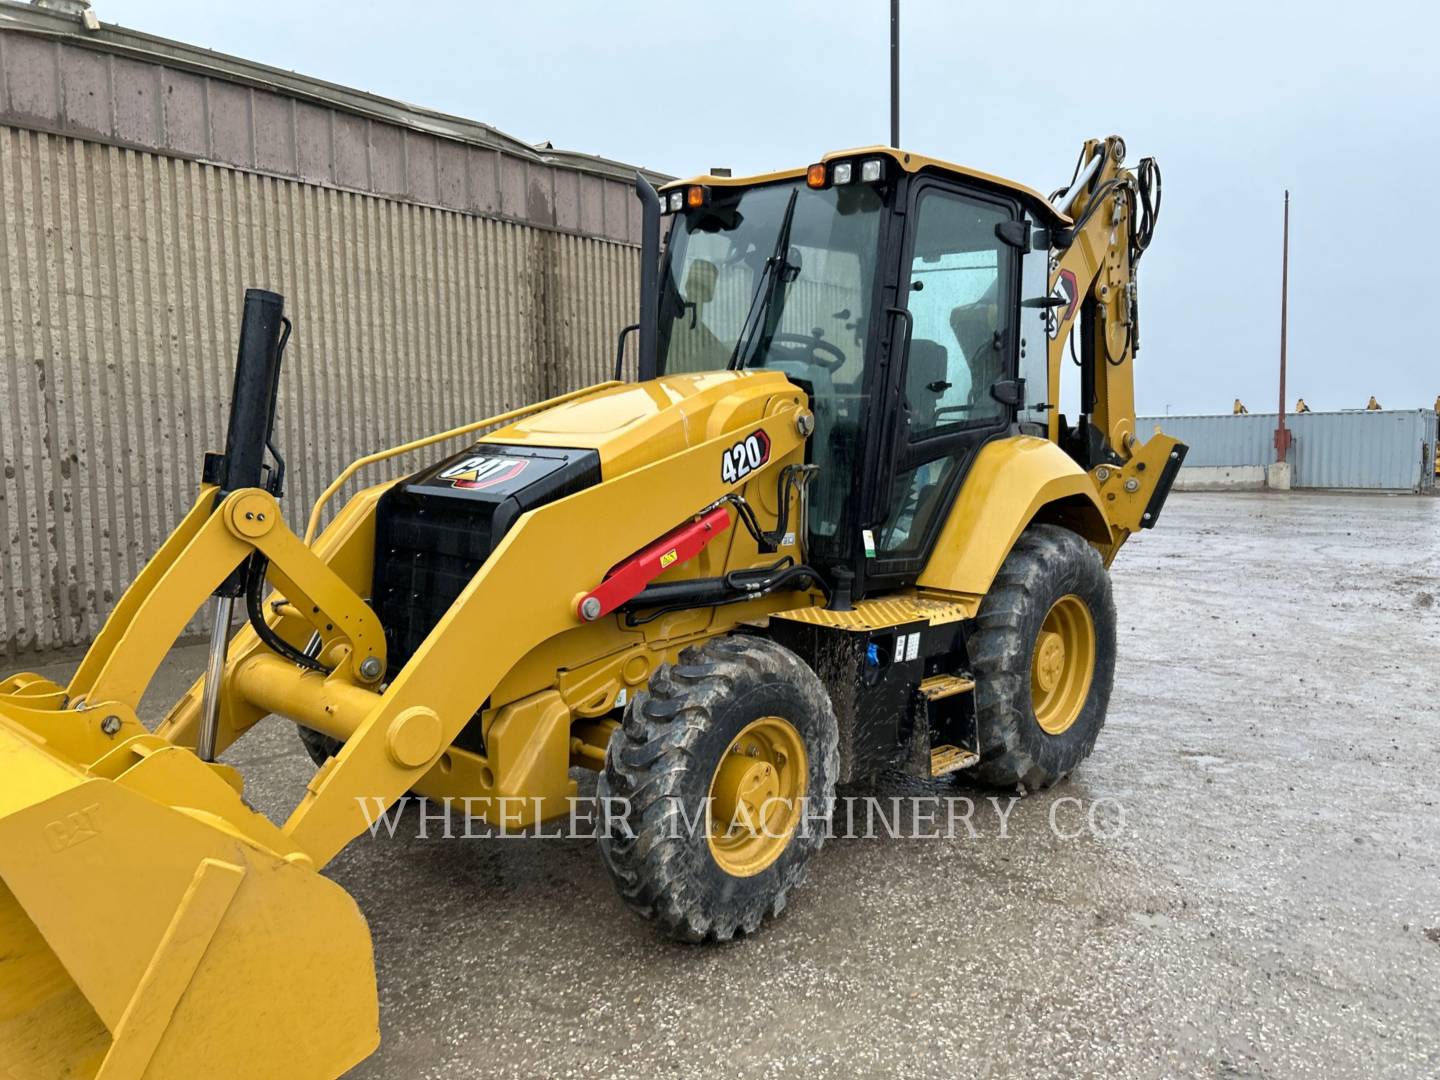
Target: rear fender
1012, 482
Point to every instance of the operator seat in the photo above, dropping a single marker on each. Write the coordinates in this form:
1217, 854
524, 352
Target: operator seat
926, 380
914, 498
974, 326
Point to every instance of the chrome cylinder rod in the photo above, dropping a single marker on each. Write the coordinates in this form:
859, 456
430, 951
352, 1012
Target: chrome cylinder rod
214, 672
1064, 201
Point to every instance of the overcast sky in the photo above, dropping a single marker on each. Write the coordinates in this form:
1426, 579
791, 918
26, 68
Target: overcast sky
1339, 102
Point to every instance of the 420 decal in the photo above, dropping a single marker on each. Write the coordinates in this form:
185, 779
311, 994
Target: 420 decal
745, 457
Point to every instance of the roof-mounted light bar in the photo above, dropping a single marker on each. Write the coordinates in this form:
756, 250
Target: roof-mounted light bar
839, 173
691, 197
820, 175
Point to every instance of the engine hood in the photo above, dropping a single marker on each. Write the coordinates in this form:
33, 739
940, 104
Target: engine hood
635, 424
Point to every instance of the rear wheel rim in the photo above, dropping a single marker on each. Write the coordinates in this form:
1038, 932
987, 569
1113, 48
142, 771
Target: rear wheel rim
757, 795
1063, 664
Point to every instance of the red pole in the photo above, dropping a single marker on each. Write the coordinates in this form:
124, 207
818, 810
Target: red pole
1282, 436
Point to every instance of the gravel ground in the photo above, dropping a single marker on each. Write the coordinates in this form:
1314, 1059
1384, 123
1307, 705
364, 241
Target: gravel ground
1260, 897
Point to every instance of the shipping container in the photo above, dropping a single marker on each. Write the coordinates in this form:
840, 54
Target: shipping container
1379, 450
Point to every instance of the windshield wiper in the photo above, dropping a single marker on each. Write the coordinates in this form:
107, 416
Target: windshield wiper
772, 279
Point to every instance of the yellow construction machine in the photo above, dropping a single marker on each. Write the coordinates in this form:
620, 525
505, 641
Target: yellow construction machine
840, 523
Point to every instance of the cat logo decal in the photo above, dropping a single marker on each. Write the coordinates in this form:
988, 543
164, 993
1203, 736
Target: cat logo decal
483, 471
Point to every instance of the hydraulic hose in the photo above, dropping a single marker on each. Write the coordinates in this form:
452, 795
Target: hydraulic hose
733, 588
254, 589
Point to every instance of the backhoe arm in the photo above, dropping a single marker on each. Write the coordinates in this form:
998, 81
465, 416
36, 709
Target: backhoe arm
1113, 212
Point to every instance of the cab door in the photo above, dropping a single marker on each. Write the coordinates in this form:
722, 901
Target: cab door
956, 386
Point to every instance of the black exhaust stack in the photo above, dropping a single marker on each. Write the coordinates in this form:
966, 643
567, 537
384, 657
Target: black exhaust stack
263, 328
649, 277
263, 333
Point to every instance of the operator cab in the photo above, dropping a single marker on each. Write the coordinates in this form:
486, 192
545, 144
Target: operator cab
887, 286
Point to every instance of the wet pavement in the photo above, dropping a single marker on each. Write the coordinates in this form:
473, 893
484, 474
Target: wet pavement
1258, 896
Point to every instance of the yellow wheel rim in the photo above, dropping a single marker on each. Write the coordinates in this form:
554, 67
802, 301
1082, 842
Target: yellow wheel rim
1063, 664
757, 795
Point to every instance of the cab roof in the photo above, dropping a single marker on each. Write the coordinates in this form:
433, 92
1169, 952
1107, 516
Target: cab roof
907, 160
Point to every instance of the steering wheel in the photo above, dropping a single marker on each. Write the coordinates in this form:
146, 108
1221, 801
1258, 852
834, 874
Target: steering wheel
836, 355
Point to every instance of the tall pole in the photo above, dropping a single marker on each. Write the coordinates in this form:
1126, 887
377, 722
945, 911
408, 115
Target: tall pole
1282, 436
895, 72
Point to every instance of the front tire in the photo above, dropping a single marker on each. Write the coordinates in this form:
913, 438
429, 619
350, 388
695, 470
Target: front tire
1044, 660
739, 730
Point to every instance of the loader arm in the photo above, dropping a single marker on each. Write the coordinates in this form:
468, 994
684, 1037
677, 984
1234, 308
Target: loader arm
536, 576
214, 543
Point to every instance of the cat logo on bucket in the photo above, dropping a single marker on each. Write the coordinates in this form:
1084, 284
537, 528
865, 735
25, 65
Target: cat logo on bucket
483, 471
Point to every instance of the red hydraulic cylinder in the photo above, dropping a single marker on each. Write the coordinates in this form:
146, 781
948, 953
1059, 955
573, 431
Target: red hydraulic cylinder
627, 579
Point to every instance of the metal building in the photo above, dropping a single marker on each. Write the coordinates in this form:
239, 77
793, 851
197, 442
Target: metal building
1382, 450
436, 269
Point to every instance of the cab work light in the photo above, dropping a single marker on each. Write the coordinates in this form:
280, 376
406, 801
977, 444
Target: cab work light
872, 170
843, 172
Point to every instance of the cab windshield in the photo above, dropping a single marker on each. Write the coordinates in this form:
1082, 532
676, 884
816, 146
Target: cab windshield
730, 298
717, 262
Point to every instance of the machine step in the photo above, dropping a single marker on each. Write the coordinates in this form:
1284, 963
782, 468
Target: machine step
945, 760
937, 687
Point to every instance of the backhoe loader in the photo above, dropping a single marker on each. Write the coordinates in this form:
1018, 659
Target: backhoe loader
837, 524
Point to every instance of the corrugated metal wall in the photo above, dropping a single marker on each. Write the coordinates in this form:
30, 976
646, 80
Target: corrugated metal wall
123, 275
1389, 449
453, 275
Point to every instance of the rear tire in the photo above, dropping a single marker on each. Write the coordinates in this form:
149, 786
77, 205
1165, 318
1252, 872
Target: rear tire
1043, 659
734, 714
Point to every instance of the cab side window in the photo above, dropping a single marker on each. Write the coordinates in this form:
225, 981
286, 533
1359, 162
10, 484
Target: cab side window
959, 291
957, 288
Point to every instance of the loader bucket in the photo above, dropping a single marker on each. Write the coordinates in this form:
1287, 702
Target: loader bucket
153, 926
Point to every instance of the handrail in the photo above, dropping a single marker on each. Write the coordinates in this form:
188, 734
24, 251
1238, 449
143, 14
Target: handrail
429, 440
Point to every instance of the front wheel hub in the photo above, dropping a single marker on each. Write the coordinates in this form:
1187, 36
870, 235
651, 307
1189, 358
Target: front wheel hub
757, 796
